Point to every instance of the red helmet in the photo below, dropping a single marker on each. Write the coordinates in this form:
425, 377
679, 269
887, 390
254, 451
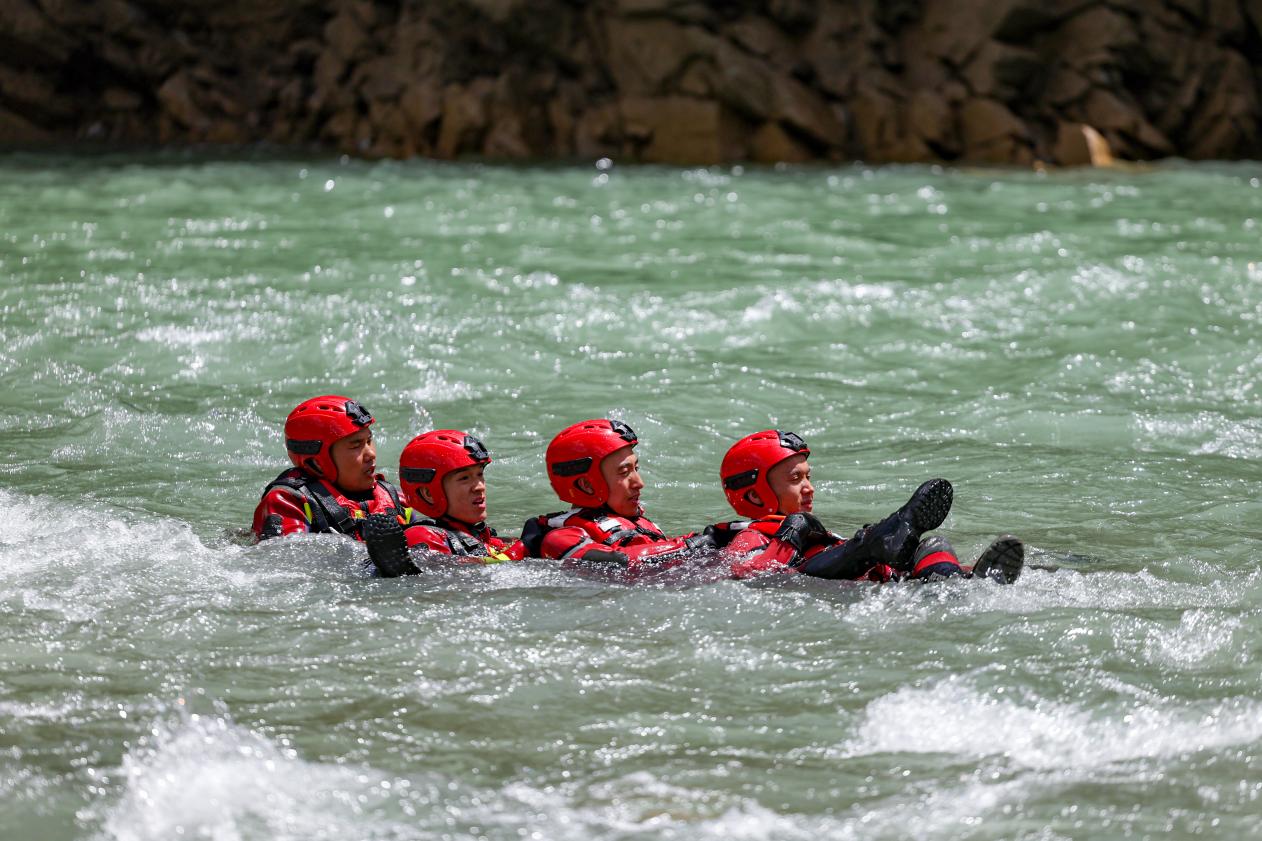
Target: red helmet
314, 426
575, 453
747, 463
428, 458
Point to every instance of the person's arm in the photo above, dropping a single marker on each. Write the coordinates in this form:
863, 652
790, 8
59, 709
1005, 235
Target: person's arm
756, 553
567, 542
798, 537
426, 538
281, 512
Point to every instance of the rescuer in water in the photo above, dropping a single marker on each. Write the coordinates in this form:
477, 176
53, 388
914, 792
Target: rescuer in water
767, 479
593, 466
442, 474
333, 484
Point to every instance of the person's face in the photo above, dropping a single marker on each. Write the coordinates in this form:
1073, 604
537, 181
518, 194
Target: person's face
790, 480
355, 458
621, 471
465, 490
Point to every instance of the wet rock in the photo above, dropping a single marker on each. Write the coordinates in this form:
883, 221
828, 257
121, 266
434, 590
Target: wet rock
742, 82
678, 130
464, 118
381, 78
686, 11
887, 79
27, 36
876, 125
1065, 85
176, 98
1124, 121
121, 99
598, 132
644, 55
1001, 71
772, 144
992, 133
930, 118
18, 130
71, 13
1078, 144
797, 105
506, 139
346, 36
31, 92
762, 38
793, 15
421, 104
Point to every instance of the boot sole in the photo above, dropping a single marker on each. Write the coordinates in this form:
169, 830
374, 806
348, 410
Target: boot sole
387, 547
930, 504
1003, 560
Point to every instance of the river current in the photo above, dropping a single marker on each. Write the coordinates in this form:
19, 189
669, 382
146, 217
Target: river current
1077, 351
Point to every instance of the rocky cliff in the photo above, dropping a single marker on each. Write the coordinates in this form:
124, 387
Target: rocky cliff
996, 81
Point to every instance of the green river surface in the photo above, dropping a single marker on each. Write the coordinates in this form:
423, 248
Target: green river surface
1077, 351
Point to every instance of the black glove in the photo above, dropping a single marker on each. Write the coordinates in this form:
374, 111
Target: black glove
801, 531
703, 541
717, 536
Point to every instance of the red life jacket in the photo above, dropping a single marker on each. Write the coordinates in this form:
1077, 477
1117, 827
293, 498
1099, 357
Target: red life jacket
296, 501
452, 537
572, 534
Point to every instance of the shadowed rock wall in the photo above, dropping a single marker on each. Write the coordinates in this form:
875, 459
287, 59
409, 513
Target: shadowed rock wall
998, 81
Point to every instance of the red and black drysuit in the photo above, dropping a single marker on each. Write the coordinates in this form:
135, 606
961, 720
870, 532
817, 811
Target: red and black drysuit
477, 543
754, 548
601, 536
296, 502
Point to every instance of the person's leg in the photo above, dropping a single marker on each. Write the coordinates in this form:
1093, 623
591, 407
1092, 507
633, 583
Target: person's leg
892, 541
1002, 560
934, 558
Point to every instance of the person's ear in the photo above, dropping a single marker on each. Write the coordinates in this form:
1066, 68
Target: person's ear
424, 493
585, 486
752, 497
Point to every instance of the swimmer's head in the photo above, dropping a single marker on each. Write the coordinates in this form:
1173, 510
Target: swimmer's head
328, 437
576, 465
747, 473
441, 475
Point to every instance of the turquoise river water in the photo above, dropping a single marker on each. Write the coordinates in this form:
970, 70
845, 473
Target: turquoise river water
1078, 352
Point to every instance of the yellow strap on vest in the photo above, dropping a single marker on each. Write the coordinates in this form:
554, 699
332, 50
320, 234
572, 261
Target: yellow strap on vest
495, 556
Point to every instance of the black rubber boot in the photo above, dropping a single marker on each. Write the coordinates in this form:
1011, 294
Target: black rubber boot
1002, 561
387, 547
892, 541
935, 558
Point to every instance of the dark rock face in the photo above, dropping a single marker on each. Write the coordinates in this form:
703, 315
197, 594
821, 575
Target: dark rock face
990, 81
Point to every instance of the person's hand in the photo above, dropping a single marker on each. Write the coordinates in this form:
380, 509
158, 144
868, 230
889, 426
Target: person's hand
802, 531
709, 538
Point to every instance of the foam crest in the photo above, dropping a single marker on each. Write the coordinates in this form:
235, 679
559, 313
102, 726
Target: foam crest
103, 558
894, 607
1048, 734
206, 777
1203, 638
